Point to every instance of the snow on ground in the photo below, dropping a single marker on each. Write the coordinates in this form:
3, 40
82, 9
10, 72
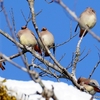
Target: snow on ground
62, 90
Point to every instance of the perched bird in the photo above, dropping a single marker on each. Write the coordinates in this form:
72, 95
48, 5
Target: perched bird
1, 65
48, 40
91, 85
27, 38
87, 18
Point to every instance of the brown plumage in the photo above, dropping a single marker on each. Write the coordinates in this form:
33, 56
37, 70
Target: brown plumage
91, 85
48, 40
27, 38
88, 18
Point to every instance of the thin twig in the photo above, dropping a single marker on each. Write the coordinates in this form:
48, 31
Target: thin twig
50, 1
13, 56
71, 63
67, 40
62, 57
84, 56
94, 69
29, 19
13, 20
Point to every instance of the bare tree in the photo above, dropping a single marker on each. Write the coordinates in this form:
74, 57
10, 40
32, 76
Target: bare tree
46, 67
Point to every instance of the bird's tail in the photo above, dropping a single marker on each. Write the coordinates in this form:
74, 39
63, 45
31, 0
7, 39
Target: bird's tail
76, 27
37, 49
81, 32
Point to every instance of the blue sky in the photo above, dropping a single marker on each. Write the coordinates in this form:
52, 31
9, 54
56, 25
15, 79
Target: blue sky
61, 24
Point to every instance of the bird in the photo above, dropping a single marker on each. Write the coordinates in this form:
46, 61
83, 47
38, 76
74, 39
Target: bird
91, 85
27, 38
87, 18
48, 40
1, 65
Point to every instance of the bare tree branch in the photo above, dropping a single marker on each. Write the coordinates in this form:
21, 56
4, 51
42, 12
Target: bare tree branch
94, 68
77, 55
13, 56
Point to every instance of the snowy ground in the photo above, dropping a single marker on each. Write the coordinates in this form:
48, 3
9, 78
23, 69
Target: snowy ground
62, 90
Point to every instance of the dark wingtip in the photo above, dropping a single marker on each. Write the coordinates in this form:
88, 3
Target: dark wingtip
76, 28
4, 63
54, 49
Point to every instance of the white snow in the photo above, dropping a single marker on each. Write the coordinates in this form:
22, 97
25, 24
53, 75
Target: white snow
62, 90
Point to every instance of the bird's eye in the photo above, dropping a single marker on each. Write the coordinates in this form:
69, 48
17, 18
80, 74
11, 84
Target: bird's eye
93, 83
93, 11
